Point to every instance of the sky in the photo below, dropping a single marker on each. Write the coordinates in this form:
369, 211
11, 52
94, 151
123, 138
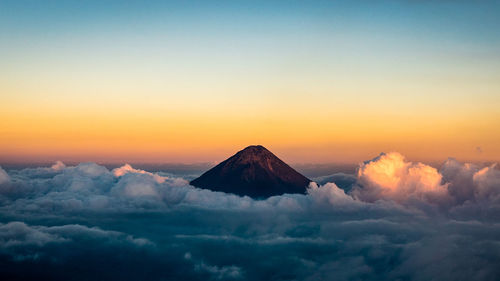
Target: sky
195, 81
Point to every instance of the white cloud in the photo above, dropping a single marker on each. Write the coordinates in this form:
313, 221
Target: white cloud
330, 194
118, 172
136, 185
390, 176
91, 170
384, 229
387, 177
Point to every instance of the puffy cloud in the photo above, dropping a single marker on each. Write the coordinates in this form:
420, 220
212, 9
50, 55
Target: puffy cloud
487, 184
20, 234
218, 273
58, 166
342, 180
136, 186
456, 185
329, 193
91, 170
459, 177
25, 242
118, 172
391, 176
378, 226
4, 177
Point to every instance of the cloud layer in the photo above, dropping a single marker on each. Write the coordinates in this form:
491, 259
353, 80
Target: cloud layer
394, 219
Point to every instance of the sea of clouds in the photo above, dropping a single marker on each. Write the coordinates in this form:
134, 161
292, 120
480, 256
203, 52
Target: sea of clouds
392, 220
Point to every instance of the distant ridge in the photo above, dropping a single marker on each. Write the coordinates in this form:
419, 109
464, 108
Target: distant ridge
255, 172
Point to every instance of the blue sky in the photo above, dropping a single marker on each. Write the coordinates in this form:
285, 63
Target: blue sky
381, 67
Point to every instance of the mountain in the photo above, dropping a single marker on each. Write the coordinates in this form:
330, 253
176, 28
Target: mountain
253, 171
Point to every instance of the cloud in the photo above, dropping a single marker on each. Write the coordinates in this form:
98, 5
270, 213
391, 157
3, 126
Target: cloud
218, 273
140, 185
391, 176
342, 180
25, 242
20, 234
4, 177
487, 184
58, 166
330, 194
118, 172
394, 219
459, 177
91, 170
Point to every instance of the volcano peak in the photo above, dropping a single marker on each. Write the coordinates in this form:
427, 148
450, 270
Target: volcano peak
255, 172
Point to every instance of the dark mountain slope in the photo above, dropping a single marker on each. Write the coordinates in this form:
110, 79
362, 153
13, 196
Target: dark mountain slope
253, 171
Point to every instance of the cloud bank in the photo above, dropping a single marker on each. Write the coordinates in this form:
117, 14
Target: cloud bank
394, 219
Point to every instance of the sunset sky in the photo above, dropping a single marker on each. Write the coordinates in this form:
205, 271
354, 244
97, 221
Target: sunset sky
195, 81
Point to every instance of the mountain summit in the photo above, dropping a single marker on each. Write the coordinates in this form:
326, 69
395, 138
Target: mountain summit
253, 171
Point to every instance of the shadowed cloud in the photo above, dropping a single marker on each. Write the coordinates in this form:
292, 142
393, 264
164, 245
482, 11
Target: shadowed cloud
394, 219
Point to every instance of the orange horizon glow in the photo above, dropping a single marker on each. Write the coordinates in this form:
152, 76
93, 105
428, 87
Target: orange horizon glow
189, 137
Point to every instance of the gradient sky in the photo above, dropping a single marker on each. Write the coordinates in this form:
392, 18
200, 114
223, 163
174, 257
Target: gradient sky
194, 81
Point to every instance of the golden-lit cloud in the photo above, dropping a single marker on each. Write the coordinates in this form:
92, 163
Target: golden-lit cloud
118, 172
391, 176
